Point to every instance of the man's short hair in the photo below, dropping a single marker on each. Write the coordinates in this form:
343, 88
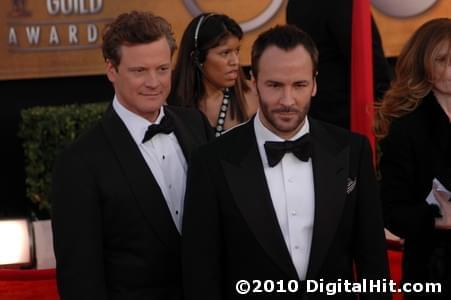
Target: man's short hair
286, 37
134, 28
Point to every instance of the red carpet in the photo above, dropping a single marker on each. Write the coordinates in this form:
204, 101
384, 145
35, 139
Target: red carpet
395, 259
28, 285
41, 284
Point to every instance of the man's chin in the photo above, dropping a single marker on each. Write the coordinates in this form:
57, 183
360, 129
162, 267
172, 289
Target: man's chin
293, 122
287, 127
153, 98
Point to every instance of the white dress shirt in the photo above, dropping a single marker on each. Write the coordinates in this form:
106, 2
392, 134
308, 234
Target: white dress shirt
163, 156
291, 186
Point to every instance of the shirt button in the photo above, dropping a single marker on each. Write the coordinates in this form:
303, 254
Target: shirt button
293, 213
163, 157
296, 247
176, 212
170, 186
291, 180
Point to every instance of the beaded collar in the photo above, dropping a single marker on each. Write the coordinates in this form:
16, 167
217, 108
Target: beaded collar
219, 129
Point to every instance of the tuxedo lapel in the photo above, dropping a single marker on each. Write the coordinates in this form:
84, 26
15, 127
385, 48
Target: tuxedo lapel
141, 180
246, 179
330, 169
187, 140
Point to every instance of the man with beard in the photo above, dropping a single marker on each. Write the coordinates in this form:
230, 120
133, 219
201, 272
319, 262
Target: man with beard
283, 198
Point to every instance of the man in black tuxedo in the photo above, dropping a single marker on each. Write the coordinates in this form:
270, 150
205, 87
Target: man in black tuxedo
283, 196
118, 190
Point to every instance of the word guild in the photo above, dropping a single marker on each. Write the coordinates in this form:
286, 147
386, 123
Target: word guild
71, 25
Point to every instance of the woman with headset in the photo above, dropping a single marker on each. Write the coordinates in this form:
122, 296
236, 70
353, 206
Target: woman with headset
208, 74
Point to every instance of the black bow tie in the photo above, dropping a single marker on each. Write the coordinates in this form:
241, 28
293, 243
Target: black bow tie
301, 148
165, 126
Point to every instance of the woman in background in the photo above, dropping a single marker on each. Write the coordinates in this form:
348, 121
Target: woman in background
208, 74
413, 123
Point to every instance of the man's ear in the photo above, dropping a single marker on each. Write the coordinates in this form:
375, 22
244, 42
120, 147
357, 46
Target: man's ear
315, 86
253, 80
111, 70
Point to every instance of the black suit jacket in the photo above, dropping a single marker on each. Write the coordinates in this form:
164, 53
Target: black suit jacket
231, 232
114, 237
416, 150
329, 25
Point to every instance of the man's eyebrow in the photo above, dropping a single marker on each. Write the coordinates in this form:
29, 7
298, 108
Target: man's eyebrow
136, 68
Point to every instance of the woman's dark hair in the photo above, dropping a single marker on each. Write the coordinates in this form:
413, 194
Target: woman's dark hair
204, 32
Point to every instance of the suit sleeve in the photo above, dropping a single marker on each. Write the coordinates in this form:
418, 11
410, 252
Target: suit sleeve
404, 214
370, 251
201, 255
77, 230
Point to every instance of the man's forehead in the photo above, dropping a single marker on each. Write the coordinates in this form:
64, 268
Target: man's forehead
274, 58
276, 50
155, 52
292, 61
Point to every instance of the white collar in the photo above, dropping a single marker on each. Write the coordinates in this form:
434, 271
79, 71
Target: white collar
263, 134
136, 125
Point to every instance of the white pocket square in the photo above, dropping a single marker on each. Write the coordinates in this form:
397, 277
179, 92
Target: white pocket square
351, 183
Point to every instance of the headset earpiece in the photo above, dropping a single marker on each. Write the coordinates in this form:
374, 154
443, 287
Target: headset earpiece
195, 56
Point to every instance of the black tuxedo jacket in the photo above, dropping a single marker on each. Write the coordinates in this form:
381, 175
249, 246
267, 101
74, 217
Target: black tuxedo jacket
231, 232
114, 237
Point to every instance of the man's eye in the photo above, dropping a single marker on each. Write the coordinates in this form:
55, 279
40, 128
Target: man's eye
300, 85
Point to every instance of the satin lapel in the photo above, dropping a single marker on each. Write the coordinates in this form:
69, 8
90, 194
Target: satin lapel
187, 140
330, 169
142, 183
246, 179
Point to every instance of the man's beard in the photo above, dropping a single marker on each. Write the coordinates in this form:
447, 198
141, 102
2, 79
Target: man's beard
278, 123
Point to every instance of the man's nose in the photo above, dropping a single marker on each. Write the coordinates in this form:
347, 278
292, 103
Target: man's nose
152, 80
287, 97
